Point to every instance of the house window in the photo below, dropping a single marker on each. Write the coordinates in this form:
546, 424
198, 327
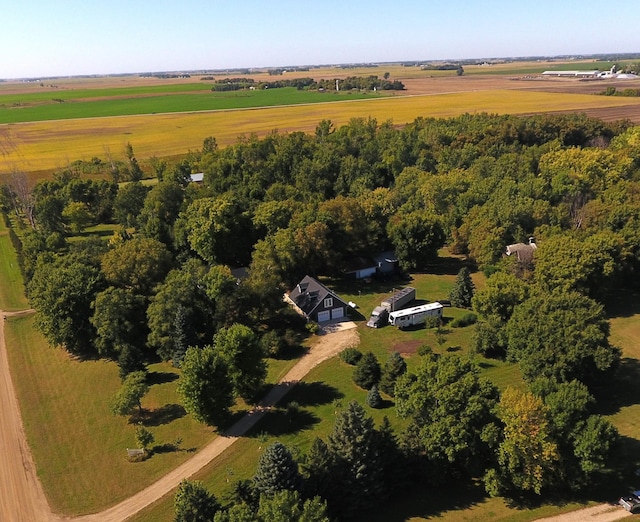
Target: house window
328, 302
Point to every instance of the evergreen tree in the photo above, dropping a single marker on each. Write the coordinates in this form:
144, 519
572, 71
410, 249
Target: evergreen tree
354, 445
463, 288
373, 397
319, 470
276, 471
180, 336
367, 371
393, 368
193, 503
131, 359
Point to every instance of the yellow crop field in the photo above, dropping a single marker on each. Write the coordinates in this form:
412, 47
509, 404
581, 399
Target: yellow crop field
42, 146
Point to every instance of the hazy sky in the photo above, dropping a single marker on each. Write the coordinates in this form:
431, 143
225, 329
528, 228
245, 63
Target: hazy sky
68, 37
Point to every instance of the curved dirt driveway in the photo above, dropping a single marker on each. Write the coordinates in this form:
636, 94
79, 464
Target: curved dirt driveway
21, 496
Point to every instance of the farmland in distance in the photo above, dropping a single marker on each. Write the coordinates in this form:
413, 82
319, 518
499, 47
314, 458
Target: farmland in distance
182, 119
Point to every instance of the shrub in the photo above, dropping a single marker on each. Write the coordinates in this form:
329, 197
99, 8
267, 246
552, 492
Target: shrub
432, 322
424, 349
312, 328
465, 320
351, 356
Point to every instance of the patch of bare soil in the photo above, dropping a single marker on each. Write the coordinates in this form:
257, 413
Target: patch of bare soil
407, 347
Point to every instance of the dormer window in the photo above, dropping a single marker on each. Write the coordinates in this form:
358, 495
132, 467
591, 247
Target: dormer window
328, 302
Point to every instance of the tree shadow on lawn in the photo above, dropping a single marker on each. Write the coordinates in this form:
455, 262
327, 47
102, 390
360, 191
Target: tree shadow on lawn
624, 303
171, 447
276, 422
621, 389
161, 377
448, 266
427, 502
313, 394
292, 352
157, 417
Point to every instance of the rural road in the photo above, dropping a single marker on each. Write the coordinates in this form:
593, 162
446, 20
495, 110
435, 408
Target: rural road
21, 496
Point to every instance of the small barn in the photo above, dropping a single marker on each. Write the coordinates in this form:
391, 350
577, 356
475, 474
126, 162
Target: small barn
387, 262
360, 268
316, 302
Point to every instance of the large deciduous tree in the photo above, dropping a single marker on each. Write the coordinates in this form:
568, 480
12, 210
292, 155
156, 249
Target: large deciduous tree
62, 291
240, 349
128, 203
218, 231
451, 412
416, 237
137, 264
205, 387
561, 336
182, 292
527, 456
119, 318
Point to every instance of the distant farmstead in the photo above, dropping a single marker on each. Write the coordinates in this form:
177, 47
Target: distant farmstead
316, 302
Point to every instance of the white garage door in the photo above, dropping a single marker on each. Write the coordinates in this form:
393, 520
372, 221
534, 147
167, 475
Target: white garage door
337, 313
324, 316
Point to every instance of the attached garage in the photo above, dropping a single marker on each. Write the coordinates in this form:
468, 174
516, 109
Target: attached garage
323, 316
337, 313
316, 302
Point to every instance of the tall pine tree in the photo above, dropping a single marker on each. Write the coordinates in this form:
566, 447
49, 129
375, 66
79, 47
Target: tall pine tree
462, 290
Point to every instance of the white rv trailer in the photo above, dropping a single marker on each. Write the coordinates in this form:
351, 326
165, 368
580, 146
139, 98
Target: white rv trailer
415, 315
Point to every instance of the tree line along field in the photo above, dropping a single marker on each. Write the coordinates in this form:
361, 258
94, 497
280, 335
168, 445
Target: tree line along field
41, 147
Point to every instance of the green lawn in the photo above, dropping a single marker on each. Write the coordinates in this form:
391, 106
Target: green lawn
11, 287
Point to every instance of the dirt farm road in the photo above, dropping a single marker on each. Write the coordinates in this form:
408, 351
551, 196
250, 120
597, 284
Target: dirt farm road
21, 496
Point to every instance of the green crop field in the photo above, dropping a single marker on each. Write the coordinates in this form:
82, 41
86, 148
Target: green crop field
113, 105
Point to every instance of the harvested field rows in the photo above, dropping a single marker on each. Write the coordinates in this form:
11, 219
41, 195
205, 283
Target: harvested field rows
49, 145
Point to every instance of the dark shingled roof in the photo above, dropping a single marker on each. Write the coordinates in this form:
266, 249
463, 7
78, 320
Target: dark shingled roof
309, 294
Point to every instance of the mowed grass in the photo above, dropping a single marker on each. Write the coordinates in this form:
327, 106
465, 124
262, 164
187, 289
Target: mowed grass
113, 105
11, 287
79, 447
50, 145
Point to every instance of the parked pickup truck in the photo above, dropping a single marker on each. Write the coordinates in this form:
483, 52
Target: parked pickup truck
380, 315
